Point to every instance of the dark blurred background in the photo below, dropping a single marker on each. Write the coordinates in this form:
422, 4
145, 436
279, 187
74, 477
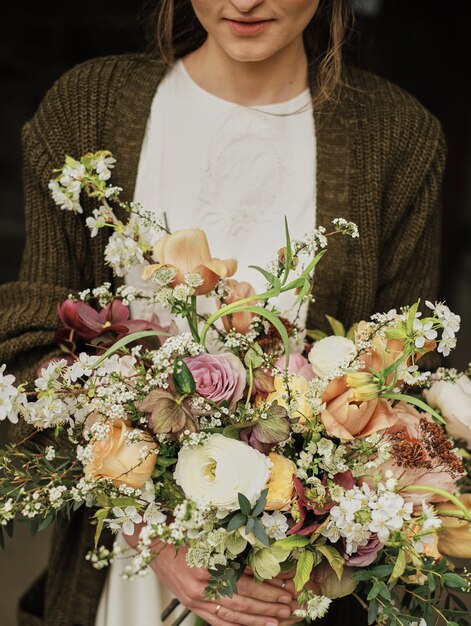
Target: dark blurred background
421, 45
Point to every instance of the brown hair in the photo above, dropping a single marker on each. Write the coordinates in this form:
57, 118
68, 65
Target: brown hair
179, 32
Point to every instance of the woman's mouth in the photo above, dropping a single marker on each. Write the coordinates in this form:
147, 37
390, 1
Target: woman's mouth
248, 28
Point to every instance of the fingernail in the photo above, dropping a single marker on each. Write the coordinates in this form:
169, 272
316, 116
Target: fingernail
271, 623
285, 612
285, 599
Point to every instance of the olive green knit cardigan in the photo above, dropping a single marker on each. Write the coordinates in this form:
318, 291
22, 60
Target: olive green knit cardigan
380, 158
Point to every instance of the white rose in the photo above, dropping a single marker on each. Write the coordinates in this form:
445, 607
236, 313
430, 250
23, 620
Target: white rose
215, 472
328, 353
454, 402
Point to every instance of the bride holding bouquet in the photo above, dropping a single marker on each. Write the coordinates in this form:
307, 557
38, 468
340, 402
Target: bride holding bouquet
244, 114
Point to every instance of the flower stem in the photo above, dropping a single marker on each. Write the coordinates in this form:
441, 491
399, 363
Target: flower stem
440, 492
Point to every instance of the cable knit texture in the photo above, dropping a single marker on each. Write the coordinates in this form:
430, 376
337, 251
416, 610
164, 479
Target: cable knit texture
380, 158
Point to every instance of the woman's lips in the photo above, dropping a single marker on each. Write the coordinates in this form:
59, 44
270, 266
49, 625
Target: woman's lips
248, 28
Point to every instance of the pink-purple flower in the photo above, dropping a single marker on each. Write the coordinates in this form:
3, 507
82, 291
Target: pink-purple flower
219, 377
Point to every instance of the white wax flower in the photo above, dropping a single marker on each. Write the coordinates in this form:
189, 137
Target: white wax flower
215, 472
328, 353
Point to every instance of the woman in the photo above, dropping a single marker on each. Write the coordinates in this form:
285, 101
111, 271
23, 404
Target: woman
365, 151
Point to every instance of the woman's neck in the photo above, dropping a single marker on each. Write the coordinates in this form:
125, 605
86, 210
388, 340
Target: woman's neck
277, 79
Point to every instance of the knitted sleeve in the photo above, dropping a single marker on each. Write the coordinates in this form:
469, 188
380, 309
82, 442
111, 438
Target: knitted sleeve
410, 237
59, 257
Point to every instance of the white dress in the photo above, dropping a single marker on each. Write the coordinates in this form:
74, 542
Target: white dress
235, 172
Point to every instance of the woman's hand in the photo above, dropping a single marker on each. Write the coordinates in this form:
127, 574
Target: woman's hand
254, 604
285, 581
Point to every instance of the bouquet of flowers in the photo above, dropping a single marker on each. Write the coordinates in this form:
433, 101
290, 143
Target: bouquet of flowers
243, 437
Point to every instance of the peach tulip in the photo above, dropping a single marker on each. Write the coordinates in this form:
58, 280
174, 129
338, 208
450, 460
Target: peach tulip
187, 252
454, 536
239, 321
346, 419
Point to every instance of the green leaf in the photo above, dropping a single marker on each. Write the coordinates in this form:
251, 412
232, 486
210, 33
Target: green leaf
335, 559
100, 516
352, 331
454, 581
289, 253
337, 327
293, 541
235, 543
183, 378
123, 501
250, 525
259, 532
260, 504
124, 342
272, 279
305, 289
431, 582
372, 612
244, 504
316, 334
237, 521
415, 401
374, 591
46, 522
381, 570
303, 570
254, 356
399, 566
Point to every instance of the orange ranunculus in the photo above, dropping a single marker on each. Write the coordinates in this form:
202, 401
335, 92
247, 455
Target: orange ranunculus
346, 419
454, 536
187, 251
121, 461
280, 485
239, 321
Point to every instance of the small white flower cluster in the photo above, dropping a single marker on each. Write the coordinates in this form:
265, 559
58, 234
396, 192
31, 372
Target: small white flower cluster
189, 520
103, 164
362, 511
315, 608
66, 191
163, 358
423, 331
450, 375
103, 294
50, 453
12, 402
276, 524
6, 512
450, 323
99, 219
100, 558
124, 519
345, 227
333, 457
429, 524
56, 495
312, 241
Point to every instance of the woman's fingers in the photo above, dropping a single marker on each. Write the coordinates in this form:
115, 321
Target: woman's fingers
263, 591
229, 615
284, 584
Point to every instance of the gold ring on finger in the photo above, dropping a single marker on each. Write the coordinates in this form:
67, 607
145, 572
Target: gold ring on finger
283, 585
218, 608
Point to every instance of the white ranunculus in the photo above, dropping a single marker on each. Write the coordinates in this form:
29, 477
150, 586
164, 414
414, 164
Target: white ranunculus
216, 471
454, 402
327, 354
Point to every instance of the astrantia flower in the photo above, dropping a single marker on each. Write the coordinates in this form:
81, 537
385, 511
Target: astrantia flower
316, 607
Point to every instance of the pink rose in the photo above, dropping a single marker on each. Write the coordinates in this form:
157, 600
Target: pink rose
218, 377
346, 419
298, 365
